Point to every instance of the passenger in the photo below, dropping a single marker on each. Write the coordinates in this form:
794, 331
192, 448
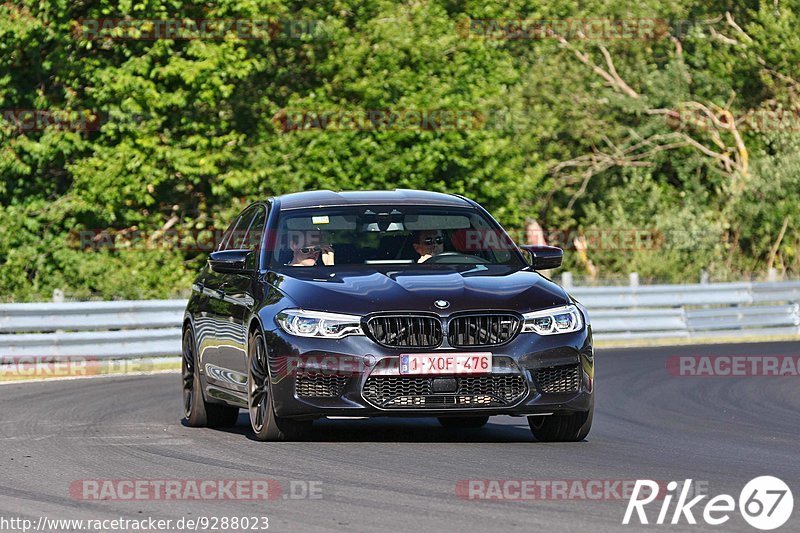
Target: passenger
306, 254
428, 243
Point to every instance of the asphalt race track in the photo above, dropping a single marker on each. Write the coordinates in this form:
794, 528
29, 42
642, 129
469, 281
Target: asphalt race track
401, 474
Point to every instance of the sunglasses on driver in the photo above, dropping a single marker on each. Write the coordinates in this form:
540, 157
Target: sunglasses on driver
314, 249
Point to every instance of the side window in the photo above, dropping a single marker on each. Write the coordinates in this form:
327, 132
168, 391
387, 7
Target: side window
224, 243
252, 238
239, 235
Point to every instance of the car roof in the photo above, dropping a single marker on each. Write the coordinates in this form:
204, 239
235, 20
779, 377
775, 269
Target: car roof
327, 198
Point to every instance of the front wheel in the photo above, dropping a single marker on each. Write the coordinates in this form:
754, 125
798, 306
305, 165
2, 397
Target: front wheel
561, 428
463, 422
266, 425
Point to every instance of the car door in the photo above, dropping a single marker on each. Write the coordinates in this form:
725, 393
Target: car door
237, 300
213, 318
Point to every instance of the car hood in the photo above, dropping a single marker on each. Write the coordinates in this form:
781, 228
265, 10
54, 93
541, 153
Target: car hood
365, 290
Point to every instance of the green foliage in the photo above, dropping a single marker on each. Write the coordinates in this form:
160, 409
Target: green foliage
190, 131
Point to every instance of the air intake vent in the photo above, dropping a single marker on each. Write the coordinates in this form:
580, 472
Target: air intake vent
558, 379
320, 386
392, 392
483, 330
406, 331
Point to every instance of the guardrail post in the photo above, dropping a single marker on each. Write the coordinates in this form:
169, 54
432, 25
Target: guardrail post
772, 274
634, 279
566, 279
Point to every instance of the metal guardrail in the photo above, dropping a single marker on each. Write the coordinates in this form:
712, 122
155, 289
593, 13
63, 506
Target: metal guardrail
718, 310
121, 329
126, 329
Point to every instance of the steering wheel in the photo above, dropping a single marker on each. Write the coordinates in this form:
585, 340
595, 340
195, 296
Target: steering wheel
456, 258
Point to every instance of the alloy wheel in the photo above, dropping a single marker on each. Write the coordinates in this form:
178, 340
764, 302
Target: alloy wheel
258, 384
187, 373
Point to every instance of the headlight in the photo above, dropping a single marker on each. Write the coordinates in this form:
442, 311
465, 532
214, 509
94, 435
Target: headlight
553, 321
318, 324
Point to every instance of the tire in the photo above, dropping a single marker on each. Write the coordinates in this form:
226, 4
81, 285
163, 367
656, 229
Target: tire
561, 428
266, 425
463, 422
197, 412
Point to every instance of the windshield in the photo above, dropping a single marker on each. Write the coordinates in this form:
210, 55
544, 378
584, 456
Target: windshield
405, 235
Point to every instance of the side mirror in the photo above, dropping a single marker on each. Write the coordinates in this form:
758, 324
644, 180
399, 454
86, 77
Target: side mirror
544, 257
232, 261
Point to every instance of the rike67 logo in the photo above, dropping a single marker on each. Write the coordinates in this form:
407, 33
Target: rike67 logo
765, 503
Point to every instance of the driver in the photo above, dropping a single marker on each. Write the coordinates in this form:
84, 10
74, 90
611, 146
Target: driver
306, 248
428, 243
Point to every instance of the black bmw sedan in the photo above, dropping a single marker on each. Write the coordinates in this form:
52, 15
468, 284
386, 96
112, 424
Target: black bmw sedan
384, 303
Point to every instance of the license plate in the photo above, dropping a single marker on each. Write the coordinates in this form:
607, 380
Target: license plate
446, 363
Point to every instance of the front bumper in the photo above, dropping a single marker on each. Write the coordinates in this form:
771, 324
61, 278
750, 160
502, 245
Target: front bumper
356, 377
